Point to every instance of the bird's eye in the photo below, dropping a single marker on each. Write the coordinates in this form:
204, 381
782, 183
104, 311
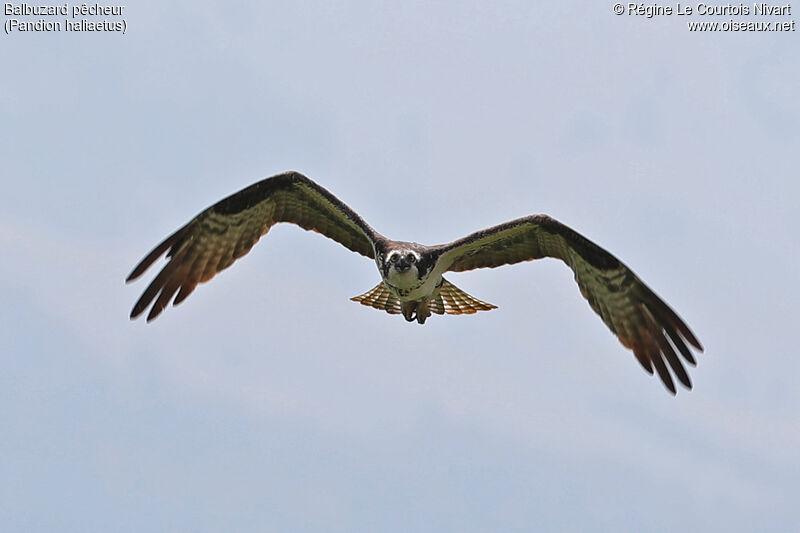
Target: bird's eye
393, 258
411, 258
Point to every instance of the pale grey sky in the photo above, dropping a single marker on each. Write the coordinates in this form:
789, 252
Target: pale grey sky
270, 402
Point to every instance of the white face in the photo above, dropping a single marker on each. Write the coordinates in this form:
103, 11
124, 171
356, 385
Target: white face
401, 267
397, 256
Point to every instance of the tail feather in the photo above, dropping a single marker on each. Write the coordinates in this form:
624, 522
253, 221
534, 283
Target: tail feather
380, 297
453, 301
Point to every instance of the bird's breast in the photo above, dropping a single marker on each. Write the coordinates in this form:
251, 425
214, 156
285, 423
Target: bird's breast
408, 287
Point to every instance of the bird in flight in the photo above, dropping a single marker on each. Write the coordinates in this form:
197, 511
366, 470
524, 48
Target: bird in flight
411, 273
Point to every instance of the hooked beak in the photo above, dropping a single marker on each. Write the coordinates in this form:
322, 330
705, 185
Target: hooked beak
402, 265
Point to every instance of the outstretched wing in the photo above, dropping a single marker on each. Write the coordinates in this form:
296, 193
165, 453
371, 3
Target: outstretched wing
633, 312
227, 230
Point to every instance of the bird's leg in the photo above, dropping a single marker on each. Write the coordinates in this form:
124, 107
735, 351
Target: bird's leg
409, 310
422, 311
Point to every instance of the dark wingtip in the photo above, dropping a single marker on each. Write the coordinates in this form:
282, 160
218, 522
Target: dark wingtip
157, 252
137, 310
154, 312
670, 385
666, 379
145, 263
687, 384
142, 303
689, 336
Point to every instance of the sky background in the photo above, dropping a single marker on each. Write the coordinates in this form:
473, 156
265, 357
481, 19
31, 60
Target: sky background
268, 401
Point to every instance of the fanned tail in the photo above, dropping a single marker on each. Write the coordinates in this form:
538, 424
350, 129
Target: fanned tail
446, 299
453, 301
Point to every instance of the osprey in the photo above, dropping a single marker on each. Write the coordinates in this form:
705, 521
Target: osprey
411, 274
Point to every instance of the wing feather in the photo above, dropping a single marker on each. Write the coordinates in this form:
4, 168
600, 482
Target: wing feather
632, 311
227, 230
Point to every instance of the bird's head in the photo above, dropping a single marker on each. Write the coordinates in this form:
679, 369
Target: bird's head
400, 263
402, 260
